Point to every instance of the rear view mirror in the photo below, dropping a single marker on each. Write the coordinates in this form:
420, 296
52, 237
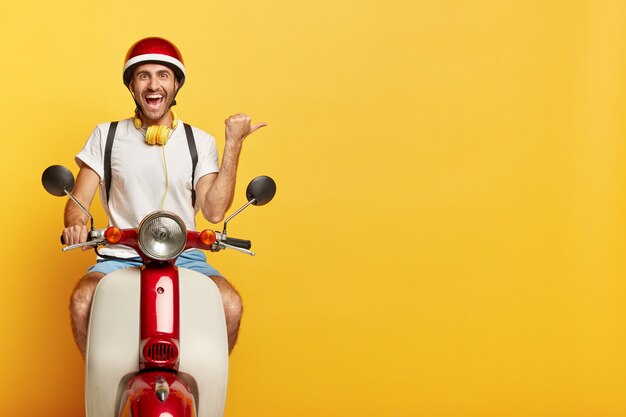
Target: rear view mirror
261, 189
58, 180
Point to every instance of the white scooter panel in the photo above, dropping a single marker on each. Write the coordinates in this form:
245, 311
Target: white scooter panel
113, 342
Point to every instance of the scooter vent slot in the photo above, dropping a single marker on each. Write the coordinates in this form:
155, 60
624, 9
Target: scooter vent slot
161, 352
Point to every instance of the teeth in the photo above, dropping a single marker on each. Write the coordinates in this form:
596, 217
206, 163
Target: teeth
154, 96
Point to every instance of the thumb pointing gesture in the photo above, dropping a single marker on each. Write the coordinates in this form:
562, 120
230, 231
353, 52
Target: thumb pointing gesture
238, 127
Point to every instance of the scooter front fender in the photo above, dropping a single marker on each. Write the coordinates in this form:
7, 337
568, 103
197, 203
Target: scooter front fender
157, 394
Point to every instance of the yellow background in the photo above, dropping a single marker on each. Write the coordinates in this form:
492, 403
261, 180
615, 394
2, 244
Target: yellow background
448, 233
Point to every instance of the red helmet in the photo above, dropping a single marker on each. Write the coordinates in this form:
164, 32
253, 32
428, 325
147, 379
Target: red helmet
154, 50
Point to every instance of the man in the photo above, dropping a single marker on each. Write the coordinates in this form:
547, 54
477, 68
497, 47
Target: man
151, 169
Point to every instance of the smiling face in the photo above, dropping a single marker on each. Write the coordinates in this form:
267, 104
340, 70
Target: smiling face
154, 87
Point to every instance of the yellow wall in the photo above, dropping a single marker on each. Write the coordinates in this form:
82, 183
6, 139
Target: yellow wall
449, 229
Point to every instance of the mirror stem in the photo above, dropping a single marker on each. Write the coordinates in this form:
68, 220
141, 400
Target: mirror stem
236, 213
81, 206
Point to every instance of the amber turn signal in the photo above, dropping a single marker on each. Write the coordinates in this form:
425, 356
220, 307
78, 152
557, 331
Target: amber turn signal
207, 237
113, 234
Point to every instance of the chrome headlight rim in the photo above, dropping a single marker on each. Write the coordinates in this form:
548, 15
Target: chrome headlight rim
147, 249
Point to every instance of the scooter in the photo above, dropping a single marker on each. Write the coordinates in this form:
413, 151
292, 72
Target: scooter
157, 344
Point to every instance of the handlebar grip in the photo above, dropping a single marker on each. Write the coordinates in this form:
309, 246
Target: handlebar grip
240, 243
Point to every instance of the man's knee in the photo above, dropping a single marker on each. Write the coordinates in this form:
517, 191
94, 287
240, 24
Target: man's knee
230, 297
80, 301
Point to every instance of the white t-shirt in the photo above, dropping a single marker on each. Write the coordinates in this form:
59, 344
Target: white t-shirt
142, 175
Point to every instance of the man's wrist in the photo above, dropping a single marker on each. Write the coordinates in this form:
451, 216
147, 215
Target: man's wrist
233, 144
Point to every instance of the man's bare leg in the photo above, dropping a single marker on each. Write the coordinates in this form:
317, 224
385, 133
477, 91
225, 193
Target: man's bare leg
233, 309
80, 307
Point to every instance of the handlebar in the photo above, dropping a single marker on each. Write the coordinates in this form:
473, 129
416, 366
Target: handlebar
81, 245
96, 237
239, 243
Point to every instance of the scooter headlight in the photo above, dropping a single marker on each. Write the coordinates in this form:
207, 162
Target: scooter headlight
162, 235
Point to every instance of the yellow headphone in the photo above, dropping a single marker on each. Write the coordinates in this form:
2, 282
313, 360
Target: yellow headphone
156, 135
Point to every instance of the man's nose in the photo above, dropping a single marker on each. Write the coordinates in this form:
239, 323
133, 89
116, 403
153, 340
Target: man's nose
153, 84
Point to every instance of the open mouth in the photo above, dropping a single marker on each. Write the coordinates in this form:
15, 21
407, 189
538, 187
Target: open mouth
154, 100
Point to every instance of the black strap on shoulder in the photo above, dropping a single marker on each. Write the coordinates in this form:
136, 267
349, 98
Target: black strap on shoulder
107, 158
194, 160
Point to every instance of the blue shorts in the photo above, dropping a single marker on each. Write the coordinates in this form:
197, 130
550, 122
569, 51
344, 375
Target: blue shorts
193, 259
